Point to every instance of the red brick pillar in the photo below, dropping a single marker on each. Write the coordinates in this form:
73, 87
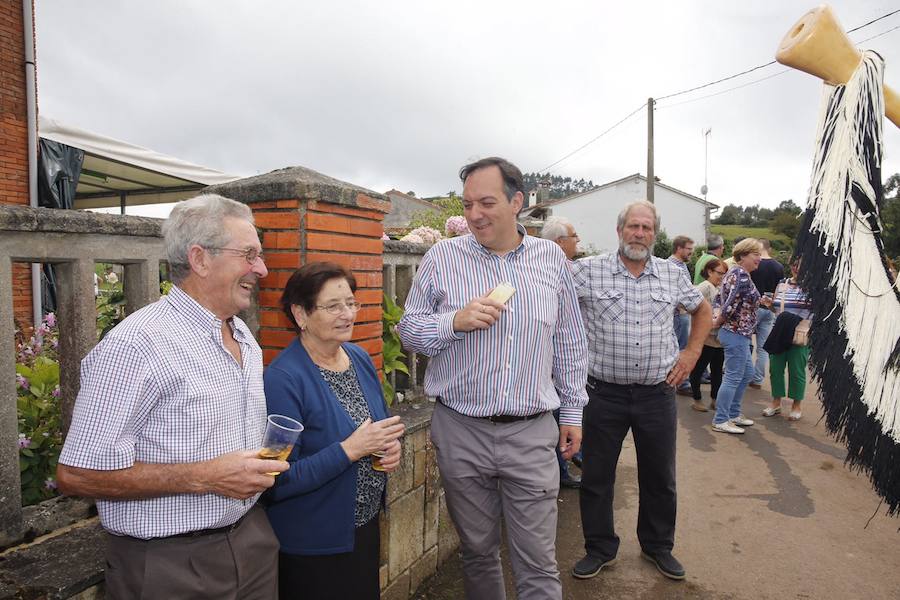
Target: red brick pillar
14, 138
304, 216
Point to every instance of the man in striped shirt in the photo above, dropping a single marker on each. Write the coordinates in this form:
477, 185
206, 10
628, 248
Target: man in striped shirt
493, 368
169, 419
628, 299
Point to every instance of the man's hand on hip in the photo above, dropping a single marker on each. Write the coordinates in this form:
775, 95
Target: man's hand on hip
569, 440
683, 367
479, 313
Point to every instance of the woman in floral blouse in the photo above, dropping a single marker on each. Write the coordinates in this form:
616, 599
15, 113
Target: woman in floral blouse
737, 302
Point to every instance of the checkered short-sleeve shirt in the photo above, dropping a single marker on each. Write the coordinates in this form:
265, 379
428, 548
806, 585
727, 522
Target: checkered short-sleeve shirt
162, 388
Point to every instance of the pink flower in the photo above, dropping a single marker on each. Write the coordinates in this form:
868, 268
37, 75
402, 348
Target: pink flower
456, 226
56, 392
24, 442
385, 237
50, 320
22, 382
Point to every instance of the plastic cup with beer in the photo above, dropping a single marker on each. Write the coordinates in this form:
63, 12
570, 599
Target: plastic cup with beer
376, 460
281, 434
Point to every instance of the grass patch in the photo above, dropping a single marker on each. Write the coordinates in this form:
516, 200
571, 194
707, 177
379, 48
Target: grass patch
782, 245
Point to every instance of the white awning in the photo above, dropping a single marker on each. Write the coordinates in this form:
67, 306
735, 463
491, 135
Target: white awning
112, 168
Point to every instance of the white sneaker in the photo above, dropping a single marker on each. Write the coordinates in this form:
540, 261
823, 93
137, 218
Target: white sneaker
742, 421
727, 427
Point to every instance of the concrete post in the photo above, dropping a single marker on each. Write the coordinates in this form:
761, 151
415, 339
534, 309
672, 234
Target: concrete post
10, 492
141, 284
77, 329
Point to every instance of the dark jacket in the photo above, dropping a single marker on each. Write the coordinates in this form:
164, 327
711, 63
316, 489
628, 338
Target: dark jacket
311, 507
782, 336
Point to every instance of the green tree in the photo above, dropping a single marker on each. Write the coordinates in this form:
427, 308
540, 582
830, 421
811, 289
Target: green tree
731, 214
786, 223
663, 246
890, 216
789, 207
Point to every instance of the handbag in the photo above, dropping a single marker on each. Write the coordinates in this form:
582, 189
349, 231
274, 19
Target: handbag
801, 331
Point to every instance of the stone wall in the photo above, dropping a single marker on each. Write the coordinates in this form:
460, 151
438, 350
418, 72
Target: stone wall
14, 137
416, 532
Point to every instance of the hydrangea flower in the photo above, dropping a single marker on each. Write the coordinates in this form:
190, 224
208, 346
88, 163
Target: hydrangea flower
412, 238
112, 278
50, 320
423, 235
24, 442
456, 226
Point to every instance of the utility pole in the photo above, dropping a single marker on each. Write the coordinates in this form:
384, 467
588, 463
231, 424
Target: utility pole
651, 179
705, 189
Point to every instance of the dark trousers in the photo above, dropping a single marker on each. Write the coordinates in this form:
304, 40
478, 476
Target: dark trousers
649, 410
334, 576
711, 357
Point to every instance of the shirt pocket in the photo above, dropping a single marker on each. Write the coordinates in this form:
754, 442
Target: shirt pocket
662, 307
608, 305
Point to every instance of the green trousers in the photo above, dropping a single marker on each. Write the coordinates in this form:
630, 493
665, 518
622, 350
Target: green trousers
795, 360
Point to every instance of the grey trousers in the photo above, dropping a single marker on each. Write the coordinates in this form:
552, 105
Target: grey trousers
507, 470
239, 565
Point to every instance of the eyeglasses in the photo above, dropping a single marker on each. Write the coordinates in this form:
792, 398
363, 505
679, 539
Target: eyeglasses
720, 272
250, 254
338, 307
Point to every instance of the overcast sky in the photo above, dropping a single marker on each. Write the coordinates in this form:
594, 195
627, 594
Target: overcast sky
401, 94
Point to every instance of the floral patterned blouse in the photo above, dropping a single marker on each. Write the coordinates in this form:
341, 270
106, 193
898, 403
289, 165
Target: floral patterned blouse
739, 299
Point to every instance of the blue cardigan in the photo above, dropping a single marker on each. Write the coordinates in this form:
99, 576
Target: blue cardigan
312, 504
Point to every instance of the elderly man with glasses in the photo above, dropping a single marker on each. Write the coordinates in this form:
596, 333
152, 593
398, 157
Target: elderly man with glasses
169, 420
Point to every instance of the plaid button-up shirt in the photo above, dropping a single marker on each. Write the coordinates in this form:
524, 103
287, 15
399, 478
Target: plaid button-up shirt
629, 319
162, 388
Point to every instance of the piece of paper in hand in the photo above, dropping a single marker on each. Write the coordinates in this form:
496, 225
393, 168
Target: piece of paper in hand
502, 292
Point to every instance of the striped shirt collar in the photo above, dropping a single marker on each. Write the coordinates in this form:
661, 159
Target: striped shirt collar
618, 267
202, 318
523, 245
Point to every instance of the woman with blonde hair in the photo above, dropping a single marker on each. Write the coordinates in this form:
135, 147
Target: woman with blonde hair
738, 302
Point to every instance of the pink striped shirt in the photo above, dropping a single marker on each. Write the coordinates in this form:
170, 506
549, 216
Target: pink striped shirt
533, 359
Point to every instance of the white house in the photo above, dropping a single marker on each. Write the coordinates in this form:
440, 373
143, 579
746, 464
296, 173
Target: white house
594, 212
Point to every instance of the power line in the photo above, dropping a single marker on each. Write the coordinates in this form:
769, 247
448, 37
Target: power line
761, 79
725, 91
874, 21
586, 144
705, 85
878, 35
700, 87
711, 83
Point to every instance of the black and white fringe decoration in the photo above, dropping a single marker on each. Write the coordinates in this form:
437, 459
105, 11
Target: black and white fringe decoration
855, 334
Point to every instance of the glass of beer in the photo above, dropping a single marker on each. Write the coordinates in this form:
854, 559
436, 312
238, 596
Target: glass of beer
376, 460
281, 435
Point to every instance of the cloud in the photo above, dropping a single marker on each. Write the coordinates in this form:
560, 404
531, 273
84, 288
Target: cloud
400, 94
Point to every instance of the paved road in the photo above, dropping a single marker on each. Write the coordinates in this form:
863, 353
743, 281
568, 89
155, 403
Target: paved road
770, 514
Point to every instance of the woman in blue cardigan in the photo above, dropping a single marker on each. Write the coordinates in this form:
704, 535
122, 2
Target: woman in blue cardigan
324, 509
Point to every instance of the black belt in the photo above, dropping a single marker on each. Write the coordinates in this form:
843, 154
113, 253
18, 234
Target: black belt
594, 382
500, 418
205, 532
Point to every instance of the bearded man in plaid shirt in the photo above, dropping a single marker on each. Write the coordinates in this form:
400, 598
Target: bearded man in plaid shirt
627, 300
